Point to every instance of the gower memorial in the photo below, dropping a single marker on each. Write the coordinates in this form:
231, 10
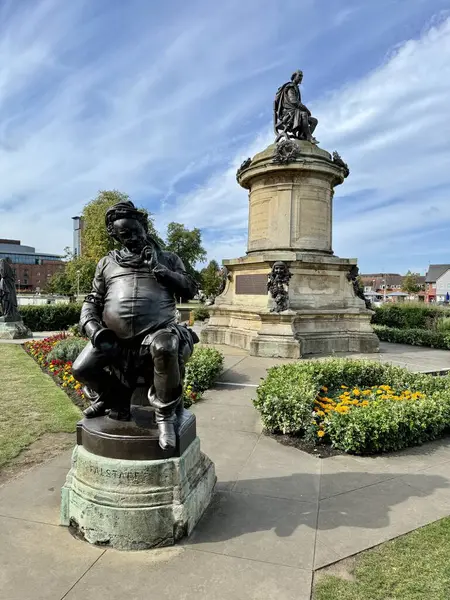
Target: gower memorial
138, 478
290, 296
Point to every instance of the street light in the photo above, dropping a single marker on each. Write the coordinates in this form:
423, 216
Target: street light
78, 283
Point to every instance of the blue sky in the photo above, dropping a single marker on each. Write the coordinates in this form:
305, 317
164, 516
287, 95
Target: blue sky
163, 100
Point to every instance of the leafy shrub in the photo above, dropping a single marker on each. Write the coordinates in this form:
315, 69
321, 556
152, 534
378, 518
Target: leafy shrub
202, 370
75, 331
50, 317
67, 350
443, 325
409, 315
388, 426
287, 399
415, 337
200, 313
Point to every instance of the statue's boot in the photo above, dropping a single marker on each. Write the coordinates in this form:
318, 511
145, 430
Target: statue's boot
97, 407
166, 419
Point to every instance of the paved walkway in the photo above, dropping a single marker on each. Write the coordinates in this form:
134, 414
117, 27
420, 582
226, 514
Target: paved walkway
278, 513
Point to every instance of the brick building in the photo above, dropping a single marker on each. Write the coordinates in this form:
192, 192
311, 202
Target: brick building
32, 269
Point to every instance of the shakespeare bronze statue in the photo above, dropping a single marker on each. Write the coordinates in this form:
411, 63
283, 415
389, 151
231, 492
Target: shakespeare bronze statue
8, 297
277, 286
130, 318
292, 119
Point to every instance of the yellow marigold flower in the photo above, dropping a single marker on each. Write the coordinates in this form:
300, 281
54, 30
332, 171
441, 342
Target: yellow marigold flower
356, 392
365, 403
324, 389
379, 391
366, 392
320, 433
320, 413
344, 387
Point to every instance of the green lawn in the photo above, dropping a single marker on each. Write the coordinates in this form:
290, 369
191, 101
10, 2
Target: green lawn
31, 404
413, 567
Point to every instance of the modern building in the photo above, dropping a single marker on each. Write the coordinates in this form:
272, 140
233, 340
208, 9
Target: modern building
437, 287
32, 269
77, 229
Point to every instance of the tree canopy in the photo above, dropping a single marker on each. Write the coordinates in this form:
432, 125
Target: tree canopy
411, 283
211, 279
187, 243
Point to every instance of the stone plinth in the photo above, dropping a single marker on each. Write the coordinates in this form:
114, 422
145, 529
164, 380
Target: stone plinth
14, 330
290, 205
290, 220
125, 492
136, 504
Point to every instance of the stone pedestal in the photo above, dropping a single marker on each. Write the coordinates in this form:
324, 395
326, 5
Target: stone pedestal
14, 330
290, 220
138, 502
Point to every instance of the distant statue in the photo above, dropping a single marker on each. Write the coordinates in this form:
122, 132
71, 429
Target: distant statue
353, 277
277, 285
292, 119
8, 297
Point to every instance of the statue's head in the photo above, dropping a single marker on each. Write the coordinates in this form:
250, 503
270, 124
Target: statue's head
297, 77
128, 225
279, 269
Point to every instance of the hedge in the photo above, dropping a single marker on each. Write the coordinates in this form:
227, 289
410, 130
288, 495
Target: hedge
414, 337
409, 316
293, 399
50, 317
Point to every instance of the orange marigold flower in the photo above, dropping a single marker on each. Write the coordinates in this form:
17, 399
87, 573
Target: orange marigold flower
320, 433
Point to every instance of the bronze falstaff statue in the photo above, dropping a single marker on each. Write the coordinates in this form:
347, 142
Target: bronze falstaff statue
130, 318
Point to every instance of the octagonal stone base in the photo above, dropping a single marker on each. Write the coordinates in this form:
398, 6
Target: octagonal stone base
136, 504
14, 330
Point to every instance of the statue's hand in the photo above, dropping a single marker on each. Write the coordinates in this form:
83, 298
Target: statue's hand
106, 341
148, 255
160, 270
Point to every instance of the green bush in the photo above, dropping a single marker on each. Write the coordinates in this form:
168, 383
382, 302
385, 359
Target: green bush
200, 314
443, 325
286, 401
202, 370
409, 315
50, 317
67, 349
387, 426
414, 337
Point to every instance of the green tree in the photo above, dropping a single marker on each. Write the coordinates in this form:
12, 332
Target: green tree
76, 276
96, 242
211, 278
187, 243
411, 283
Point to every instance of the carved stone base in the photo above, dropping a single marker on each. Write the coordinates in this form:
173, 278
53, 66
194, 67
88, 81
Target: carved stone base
324, 315
136, 504
14, 330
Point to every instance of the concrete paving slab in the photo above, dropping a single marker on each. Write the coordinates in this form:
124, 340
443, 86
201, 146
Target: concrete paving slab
227, 417
324, 556
345, 473
40, 562
35, 496
238, 395
280, 472
251, 370
356, 521
425, 484
190, 575
229, 450
259, 528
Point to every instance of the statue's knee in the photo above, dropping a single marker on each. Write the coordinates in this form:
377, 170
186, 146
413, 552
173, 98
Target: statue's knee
165, 347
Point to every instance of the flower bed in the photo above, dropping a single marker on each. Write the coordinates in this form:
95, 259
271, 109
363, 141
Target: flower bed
201, 371
59, 370
355, 406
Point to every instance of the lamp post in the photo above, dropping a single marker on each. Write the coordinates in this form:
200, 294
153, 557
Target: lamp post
78, 283
18, 286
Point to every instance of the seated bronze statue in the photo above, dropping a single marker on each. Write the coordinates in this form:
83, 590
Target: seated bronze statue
292, 119
130, 319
